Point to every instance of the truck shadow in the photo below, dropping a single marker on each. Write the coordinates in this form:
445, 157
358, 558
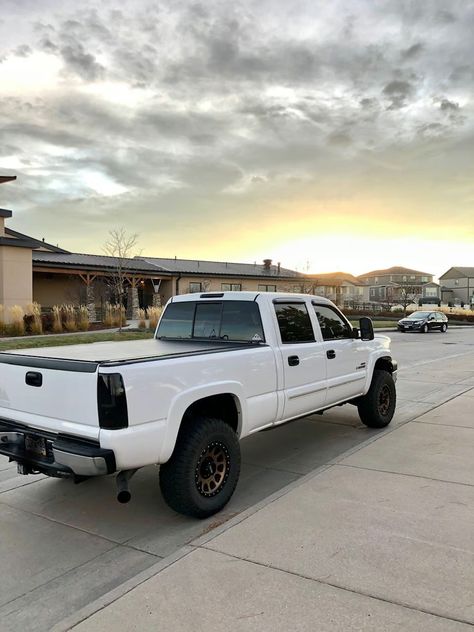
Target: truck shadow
270, 460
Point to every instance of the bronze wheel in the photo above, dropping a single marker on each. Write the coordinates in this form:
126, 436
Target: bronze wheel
384, 400
200, 477
212, 469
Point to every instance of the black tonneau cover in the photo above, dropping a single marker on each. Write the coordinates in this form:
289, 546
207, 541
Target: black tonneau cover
87, 358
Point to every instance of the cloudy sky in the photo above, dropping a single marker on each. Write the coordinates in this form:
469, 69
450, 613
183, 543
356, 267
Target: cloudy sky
326, 135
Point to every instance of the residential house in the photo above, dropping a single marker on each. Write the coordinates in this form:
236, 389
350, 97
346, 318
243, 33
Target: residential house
458, 285
342, 288
390, 285
34, 270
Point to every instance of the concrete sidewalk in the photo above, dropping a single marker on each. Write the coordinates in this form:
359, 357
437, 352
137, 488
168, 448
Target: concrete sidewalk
382, 540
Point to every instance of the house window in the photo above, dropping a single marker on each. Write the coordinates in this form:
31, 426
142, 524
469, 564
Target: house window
297, 289
424, 279
195, 287
231, 287
413, 277
376, 279
404, 278
267, 288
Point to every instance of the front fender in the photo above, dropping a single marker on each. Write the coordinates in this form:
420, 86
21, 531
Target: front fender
183, 401
385, 361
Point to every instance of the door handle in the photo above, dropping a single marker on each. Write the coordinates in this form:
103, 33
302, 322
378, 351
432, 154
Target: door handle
293, 360
331, 354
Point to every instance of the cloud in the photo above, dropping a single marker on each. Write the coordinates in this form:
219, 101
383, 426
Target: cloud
397, 92
233, 111
448, 106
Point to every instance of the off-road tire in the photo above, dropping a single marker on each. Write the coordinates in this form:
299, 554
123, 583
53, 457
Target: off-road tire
202, 473
377, 407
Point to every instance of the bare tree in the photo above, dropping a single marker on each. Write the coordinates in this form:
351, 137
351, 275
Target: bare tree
121, 246
408, 293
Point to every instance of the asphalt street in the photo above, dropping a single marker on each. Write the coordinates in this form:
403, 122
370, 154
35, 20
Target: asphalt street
63, 545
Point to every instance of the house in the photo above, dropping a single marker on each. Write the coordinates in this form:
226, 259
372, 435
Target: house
342, 288
34, 270
392, 284
458, 285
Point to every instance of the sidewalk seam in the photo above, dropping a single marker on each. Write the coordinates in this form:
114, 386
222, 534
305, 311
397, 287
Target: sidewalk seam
427, 478
338, 586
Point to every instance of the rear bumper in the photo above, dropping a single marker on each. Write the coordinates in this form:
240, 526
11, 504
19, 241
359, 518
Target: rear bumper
54, 455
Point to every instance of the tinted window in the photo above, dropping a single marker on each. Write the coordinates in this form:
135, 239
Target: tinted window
177, 321
225, 320
207, 321
241, 321
332, 324
294, 322
419, 315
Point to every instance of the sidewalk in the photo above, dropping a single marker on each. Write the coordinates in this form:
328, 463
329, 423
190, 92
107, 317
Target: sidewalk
381, 540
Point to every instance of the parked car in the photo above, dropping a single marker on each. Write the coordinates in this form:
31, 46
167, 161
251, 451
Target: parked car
220, 367
423, 322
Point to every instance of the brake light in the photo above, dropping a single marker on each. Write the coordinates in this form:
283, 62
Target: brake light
112, 401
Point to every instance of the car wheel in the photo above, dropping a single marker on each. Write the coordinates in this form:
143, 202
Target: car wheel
424, 329
202, 473
377, 407
444, 328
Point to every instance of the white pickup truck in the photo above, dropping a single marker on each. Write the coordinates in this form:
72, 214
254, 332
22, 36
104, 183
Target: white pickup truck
220, 367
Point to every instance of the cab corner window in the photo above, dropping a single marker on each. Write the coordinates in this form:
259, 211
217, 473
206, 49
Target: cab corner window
333, 326
294, 322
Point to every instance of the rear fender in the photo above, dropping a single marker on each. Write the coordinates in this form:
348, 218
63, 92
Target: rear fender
183, 401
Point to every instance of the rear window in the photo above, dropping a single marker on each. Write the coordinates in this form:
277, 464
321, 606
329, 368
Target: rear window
235, 321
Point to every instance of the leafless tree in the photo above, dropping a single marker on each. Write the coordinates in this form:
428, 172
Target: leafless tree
121, 246
408, 293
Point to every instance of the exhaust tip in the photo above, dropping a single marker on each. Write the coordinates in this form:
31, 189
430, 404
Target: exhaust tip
124, 496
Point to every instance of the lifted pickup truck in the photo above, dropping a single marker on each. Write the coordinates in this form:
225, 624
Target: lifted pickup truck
219, 368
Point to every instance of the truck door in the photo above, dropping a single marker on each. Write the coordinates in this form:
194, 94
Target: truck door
347, 357
304, 359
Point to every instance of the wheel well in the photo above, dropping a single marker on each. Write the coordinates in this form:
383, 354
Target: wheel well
224, 406
384, 364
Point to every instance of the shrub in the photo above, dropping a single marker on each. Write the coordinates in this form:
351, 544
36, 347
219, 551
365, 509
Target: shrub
141, 319
32, 319
115, 315
108, 316
83, 318
47, 322
69, 318
57, 327
154, 316
16, 327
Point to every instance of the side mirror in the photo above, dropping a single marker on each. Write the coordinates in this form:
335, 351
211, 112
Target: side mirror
366, 329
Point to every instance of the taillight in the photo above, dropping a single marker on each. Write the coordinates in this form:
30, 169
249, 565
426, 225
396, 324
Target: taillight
112, 401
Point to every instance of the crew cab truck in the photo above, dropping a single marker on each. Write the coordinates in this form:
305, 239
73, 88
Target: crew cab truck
220, 367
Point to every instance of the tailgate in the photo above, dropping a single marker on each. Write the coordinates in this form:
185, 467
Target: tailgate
51, 394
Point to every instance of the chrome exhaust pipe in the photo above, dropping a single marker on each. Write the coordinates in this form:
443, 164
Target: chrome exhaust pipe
122, 479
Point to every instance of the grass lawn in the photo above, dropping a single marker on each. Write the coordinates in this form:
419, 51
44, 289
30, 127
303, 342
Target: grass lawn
387, 324
56, 341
